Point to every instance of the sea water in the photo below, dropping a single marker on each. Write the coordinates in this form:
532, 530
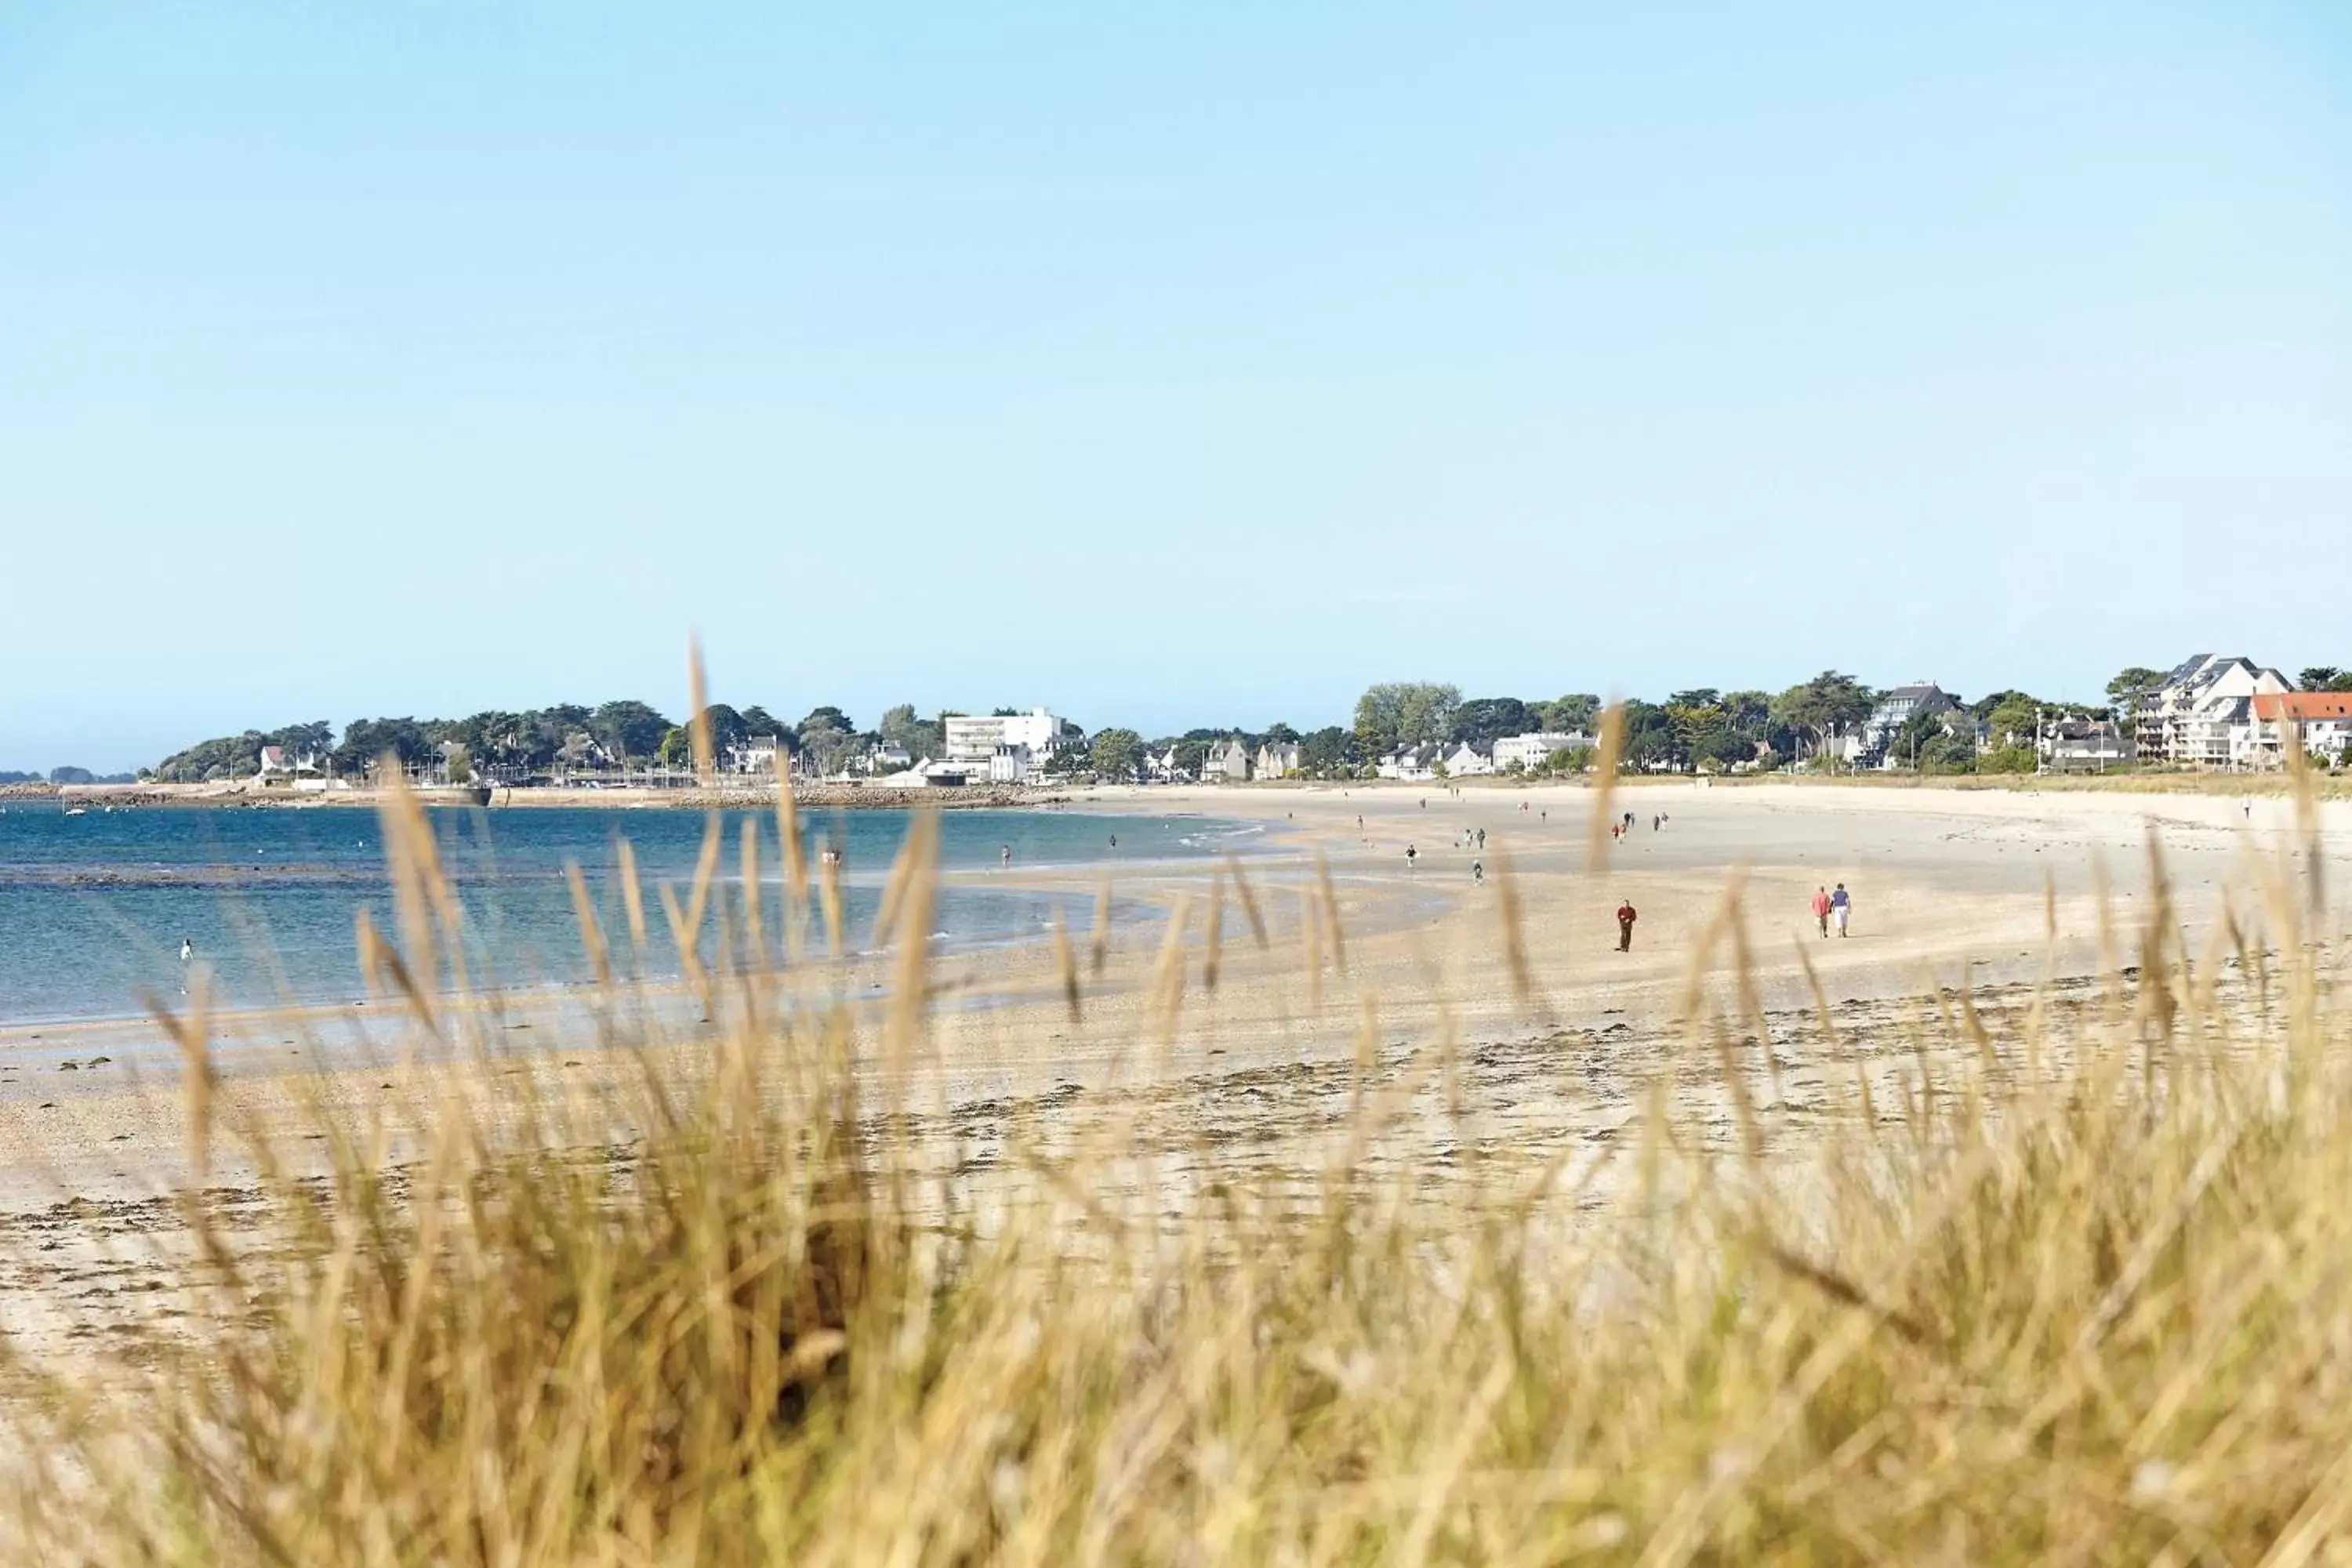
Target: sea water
94, 906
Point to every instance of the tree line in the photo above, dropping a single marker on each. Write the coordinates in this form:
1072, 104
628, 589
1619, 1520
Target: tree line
1700, 726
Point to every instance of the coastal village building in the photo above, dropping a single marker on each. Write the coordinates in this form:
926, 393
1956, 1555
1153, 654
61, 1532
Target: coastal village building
1872, 746
1162, 767
1412, 764
2084, 746
1469, 761
2322, 721
974, 738
1010, 764
1533, 750
1228, 762
2195, 719
1277, 760
756, 755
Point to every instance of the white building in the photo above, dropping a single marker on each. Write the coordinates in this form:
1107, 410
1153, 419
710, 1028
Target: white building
2202, 717
2323, 720
1873, 744
758, 754
1467, 762
1531, 750
974, 738
1228, 762
1010, 764
1277, 760
1410, 764
2083, 746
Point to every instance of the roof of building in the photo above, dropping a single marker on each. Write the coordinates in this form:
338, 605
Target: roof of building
2302, 705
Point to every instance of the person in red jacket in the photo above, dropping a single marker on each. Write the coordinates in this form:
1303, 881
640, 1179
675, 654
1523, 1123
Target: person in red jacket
1822, 910
1625, 919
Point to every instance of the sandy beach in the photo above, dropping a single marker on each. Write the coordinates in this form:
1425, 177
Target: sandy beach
1998, 891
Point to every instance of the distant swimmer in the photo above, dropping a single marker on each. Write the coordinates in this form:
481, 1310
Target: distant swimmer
1007, 855
1841, 907
187, 950
1822, 907
1114, 840
1625, 919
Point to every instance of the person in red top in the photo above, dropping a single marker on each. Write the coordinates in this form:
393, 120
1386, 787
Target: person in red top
1822, 910
1625, 919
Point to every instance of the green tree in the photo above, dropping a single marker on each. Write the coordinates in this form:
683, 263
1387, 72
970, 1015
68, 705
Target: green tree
2131, 688
2015, 716
1578, 714
628, 729
1330, 753
1405, 713
1816, 710
2323, 677
1118, 753
1483, 721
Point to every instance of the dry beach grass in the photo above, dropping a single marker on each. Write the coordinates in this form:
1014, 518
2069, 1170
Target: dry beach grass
2039, 1272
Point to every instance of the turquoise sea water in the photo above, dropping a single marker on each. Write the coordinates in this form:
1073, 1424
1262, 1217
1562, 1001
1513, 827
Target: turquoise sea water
93, 908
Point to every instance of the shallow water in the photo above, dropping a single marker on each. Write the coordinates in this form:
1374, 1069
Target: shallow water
93, 908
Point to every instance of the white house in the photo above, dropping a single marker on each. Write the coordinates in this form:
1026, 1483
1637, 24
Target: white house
1873, 744
887, 757
2323, 720
2202, 716
1010, 764
1531, 750
2083, 746
1411, 765
1277, 760
974, 738
1161, 767
1467, 762
756, 755
1228, 762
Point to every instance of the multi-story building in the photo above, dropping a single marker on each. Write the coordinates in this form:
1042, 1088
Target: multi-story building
2195, 718
1872, 746
974, 738
1228, 762
2321, 720
1277, 760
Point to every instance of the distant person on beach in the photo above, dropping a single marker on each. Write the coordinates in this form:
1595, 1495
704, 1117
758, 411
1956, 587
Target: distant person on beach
1482, 840
1477, 870
1625, 919
1822, 910
1411, 854
2246, 804
1007, 857
1841, 907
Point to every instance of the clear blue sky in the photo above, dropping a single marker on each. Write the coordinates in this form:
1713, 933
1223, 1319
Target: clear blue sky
1168, 365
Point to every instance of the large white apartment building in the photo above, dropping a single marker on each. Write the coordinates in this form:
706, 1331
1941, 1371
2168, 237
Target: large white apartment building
976, 737
1530, 751
2197, 718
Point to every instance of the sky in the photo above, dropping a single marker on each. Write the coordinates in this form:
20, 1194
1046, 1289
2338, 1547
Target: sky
1166, 364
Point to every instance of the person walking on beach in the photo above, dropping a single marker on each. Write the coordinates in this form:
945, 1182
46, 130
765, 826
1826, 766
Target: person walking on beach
1482, 841
2246, 804
1477, 870
1626, 916
1841, 907
1821, 910
1411, 854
